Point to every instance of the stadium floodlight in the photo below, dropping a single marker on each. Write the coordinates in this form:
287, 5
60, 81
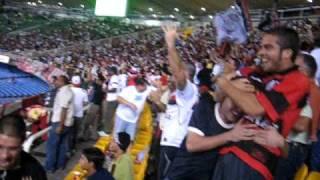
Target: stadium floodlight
203, 9
154, 15
34, 4
29, 3
191, 17
233, 7
60, 4
150, 9
171, 16
310, 1
40, 2
116, 8
210, 16
176, 9
81, 5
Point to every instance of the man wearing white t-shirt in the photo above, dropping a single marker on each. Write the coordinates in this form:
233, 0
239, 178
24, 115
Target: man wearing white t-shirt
111, 98
61, 123
180, 104
316, 54
80, 99
131, 102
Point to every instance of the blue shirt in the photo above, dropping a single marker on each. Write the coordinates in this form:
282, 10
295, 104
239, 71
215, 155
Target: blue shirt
101, 174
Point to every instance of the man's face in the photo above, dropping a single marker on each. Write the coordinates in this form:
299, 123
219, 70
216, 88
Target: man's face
141, 88
59, 82
10, 148
84, 163
270, 53
113, 147
231, 112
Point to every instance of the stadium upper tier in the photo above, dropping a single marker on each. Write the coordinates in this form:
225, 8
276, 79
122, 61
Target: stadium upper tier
187, 6
16, 84
61, 33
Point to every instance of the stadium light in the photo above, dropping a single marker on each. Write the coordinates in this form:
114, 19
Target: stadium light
310, 1
172, 16
60, 4
176, 9
29, 3
40, 2
81, 5
114, 8
233, 7
34, 4
203, 9
150, 9
154, 15
191, 17
210, 16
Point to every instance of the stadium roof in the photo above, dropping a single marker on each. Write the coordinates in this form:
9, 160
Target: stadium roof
186, 6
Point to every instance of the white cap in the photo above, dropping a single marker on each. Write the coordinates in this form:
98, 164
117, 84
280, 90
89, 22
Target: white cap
76, 80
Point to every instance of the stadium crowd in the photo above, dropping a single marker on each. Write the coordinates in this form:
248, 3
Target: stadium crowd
247, 111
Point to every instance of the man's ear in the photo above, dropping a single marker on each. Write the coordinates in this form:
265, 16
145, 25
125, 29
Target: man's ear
287, 54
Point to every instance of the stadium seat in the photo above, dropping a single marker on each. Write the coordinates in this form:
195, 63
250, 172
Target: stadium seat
302, 173
314, 176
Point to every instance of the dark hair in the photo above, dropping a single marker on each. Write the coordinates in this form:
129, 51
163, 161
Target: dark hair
287, 39
113, 70
13, 126
317, 42
310, 63
65, 79
94, 155
140, 81
191, 70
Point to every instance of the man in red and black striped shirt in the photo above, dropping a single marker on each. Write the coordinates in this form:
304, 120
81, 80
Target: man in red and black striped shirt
281, 92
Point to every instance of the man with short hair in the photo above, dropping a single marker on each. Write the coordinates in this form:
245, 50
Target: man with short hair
14, 162
61, 123
112, 103
131, 103
92, 160
124, 165
80, 100
281, 92
181, 98
92, 119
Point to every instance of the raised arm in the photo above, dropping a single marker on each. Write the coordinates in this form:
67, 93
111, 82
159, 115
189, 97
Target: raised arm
176, 65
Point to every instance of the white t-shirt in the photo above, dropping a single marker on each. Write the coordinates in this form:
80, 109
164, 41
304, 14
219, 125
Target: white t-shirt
113, 84
301, 137
131, 94
177, 116
63, 99
80, 97
316, 55
122, 81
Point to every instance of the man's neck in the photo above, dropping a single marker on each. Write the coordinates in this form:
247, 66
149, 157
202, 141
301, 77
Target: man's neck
91, 171
118, 154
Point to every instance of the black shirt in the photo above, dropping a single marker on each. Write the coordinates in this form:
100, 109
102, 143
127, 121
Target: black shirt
204, 121
29, 167
101, 174
98, 94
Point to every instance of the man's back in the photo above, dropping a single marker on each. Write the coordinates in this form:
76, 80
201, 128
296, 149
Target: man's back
101, 174
80, 97
124, 168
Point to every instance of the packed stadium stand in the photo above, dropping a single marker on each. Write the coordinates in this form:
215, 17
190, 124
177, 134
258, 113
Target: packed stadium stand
80, 81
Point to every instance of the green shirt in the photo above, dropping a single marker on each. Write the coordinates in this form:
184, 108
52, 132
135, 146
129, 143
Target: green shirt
124, 168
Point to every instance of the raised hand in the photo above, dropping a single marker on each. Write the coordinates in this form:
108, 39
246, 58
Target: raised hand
170, 30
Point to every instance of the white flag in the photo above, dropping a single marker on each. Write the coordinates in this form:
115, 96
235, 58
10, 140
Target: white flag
230, 26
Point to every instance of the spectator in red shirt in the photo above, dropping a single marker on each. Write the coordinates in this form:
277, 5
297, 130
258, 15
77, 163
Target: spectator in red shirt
281, 92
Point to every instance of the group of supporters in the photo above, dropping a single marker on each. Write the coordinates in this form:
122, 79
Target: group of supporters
229, 112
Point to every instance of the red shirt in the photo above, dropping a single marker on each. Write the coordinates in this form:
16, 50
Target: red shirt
282, 95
